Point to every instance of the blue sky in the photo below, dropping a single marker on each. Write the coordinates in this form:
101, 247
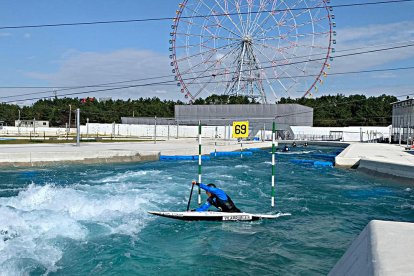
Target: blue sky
96, 54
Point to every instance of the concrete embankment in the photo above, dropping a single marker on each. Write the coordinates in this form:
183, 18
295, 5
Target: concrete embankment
88, 153
44, 158
384, 159
382, 248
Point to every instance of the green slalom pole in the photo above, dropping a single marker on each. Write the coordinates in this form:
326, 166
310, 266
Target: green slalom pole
273, 162
215, 144
199, 161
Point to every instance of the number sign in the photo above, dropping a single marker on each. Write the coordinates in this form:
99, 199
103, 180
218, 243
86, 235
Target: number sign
240, 129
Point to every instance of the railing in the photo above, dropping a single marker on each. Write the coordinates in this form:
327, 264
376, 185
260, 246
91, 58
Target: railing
312, 137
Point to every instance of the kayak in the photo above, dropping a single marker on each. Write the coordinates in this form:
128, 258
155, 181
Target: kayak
213, 216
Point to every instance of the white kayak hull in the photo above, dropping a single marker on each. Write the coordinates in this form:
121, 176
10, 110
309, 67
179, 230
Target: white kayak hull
213, 216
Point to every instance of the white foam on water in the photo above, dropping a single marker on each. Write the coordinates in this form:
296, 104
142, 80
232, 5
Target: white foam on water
227, 176
12, 189
130, 175
260, 192
407, 206
294, 152
32, 221
28, 235
242, 166
243, 183
214, 177
283, 214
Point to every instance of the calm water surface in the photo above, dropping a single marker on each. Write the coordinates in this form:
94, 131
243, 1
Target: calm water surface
87, 220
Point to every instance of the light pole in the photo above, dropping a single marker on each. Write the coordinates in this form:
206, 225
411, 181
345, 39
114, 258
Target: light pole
87, 127
78, 127
155, 129
70, 112
18, 124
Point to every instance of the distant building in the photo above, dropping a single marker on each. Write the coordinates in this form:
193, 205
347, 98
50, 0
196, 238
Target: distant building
260, 116
29, 123
104, 99
403, 121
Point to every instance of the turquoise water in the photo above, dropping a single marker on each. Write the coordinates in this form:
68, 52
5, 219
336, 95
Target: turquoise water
87, 220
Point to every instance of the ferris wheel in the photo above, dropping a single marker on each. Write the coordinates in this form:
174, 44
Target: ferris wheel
262, 49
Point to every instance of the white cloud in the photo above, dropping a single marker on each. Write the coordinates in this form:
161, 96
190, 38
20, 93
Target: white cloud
373, 37
369, 38
400, 91
85, 68
91, 68
385, 75
161, 92
377, 33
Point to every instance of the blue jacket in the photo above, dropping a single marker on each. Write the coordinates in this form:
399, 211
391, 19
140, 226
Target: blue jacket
219, 199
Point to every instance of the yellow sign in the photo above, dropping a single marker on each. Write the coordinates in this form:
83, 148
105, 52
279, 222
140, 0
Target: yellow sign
240, 129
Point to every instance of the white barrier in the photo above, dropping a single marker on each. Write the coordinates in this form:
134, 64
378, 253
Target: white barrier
123, 130
348, 134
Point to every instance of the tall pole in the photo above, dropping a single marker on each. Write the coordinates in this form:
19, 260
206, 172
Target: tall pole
155, 129
87, 127
411, 122
78, 127
199, 161
273, 162
389, 135
18, 124
70, 113
215, 143
400, 128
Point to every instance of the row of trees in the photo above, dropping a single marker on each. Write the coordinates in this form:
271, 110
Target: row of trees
336, 110
353, 110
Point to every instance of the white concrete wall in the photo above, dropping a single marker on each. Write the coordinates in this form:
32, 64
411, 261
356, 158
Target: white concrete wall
390, 169
149, 130
350, 134
223, 132
25, 131
382, 248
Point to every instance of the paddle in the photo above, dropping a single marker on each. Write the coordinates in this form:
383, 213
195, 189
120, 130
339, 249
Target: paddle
191, 194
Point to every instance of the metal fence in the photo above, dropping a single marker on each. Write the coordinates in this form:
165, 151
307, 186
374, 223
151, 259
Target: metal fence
260, 116
403, 121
